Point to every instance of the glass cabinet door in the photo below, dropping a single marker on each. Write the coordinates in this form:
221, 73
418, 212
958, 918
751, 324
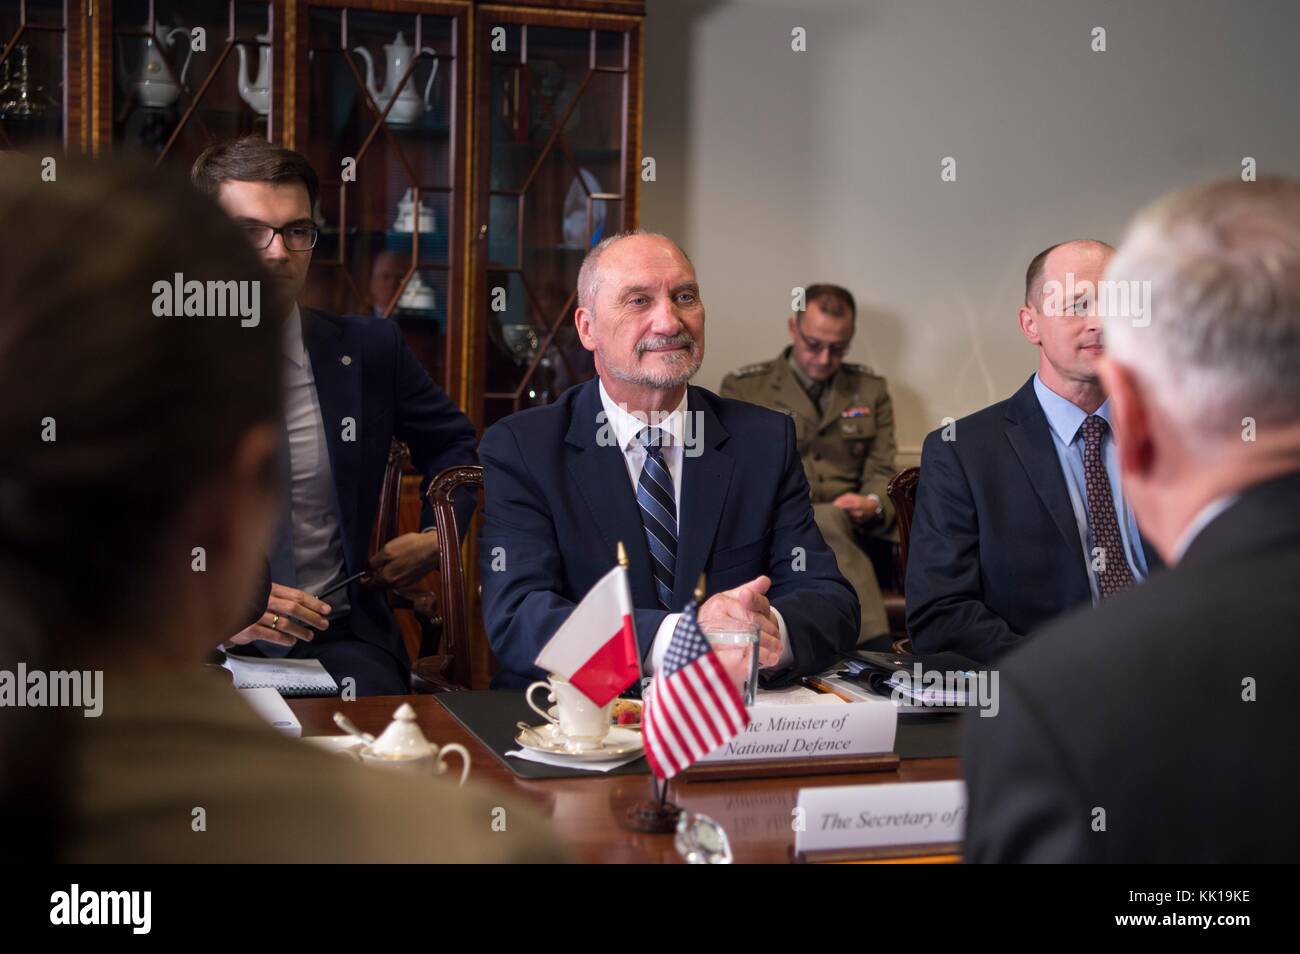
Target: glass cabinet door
376, 114
553, 127
186, 72
41, 76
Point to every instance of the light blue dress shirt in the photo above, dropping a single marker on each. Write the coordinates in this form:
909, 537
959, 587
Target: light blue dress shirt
1064, 420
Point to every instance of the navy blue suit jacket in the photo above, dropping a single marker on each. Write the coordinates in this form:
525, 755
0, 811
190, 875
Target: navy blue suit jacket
558, 502
994, 551
387, 392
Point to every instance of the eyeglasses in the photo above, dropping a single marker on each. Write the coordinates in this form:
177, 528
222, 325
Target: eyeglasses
297, 238
837, 350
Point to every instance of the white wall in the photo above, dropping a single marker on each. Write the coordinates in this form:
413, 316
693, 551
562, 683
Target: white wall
778, 168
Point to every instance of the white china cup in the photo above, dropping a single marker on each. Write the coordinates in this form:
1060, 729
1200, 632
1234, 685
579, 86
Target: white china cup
581, 722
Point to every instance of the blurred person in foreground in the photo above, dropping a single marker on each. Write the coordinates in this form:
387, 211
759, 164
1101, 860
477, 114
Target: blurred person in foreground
137, 497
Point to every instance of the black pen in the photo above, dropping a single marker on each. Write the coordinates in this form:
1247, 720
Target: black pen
341, 583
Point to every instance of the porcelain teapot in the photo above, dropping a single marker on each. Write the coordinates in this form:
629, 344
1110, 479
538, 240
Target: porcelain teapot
403, 746
256, 93
408, 106
154, 84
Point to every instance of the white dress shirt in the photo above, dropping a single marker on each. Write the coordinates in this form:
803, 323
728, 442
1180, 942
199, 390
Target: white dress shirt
317, 539
624, 428
1204, 517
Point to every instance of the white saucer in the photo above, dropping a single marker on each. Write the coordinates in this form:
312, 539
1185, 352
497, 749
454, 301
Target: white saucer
619, 742
345, 744
554, 713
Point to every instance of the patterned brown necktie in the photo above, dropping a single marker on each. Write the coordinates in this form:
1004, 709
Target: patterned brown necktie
1115, 575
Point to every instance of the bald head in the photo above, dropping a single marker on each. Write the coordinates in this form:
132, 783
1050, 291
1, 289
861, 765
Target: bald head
640, 313
1059, 317
1077, 257
645, 248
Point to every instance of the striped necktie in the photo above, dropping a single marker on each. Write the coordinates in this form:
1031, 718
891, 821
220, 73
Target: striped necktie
654, 495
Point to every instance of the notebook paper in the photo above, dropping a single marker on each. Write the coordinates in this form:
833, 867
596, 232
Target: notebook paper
291, 677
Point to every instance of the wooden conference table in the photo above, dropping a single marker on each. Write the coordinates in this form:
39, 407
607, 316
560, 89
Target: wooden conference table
585, 812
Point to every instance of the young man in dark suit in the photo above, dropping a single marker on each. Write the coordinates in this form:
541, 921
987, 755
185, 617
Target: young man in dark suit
686, 480
1159, 727
1020, 515
351, 386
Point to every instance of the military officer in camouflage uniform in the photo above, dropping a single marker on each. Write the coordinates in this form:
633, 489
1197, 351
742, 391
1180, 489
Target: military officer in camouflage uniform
844, 424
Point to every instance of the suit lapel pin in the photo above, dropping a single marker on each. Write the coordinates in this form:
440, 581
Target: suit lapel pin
346, 359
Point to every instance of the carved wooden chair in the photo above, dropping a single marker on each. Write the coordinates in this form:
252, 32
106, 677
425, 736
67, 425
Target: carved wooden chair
450, 669
902, 491
421, 600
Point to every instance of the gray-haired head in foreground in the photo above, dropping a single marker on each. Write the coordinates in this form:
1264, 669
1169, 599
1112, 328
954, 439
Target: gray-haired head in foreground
1223, 338
589, 273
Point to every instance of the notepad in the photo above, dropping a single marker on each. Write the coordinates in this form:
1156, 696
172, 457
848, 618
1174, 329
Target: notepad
289, 677
795, 696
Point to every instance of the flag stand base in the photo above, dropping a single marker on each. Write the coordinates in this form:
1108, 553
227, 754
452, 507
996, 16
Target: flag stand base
652, 816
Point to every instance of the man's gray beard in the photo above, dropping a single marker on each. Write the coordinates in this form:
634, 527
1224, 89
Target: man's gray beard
663, 381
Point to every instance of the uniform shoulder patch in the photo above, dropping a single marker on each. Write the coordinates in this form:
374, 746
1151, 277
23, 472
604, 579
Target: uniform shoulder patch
750, 370
860, 368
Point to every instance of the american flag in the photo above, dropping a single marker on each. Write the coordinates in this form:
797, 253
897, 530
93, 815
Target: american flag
691, 707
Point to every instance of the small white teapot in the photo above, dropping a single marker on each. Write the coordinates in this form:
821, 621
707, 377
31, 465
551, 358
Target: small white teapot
403, 746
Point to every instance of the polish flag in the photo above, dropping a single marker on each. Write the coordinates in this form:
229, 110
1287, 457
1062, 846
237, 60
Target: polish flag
595, 648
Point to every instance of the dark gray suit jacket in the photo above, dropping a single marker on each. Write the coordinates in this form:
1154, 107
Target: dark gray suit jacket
1137, 708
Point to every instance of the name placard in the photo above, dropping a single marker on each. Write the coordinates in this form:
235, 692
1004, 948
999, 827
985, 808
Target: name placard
880, 816
812, 731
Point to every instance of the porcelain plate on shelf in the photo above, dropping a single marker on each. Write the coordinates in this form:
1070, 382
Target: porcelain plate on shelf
620, 741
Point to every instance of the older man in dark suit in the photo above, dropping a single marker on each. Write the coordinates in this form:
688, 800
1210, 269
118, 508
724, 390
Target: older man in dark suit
686, 480
1160, 726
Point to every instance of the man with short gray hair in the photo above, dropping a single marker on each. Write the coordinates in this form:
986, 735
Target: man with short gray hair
1156, 727
687, 481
